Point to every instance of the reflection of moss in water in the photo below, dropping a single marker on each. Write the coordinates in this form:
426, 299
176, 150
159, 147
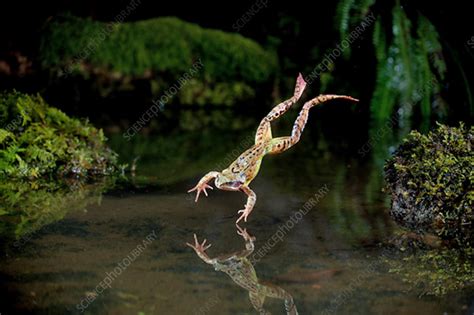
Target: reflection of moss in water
221, 93
26, 207
346, 213
179, 156
351, 214
436, 272
382, 138
205, 140
220, 119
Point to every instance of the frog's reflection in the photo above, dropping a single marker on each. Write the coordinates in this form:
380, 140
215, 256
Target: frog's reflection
242, 272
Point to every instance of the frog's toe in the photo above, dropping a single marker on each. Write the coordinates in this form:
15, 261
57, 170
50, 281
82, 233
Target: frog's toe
203, 189
197, 196
243, 216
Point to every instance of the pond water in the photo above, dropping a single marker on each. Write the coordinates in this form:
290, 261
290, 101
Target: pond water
124, 252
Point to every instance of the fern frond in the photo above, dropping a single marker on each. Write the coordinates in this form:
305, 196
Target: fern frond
5, 134
379, 41
404, 43
343, 14
428, 34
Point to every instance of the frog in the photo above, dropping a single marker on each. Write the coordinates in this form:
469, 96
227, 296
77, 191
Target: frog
240, 173
240, 269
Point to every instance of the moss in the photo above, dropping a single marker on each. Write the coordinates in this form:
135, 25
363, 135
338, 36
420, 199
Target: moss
436, 272
160, 50
195, 92
39, 142
431, 179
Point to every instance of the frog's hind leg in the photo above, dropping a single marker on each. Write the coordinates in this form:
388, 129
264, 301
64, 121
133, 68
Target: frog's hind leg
257, 301
264, 132
251, 199
274, 291
278, 145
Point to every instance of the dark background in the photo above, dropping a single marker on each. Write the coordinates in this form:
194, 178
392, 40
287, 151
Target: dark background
300, 25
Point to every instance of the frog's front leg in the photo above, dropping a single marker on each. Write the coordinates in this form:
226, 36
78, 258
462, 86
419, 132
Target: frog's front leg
251, 199
200, 249
202, 185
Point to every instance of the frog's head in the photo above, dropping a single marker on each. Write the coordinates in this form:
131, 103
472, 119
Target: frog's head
226, 180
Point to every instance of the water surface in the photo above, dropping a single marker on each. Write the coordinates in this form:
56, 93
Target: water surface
332, 261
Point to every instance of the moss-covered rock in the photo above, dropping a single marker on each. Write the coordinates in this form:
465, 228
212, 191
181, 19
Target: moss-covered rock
38, 141
431, 181
160, 50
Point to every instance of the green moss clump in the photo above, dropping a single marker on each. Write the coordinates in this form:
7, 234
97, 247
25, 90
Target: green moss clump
431, 182
161, 50
40, 142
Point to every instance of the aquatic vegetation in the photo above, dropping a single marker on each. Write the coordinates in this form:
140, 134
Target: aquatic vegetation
159, 50
154, 163
410, 62
431, 181
41, 142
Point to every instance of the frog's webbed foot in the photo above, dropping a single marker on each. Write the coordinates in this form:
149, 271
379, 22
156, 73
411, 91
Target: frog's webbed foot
200, 188
244, 233
203, 184
264, 132
252, 198
245, 212
300, 86
200, 249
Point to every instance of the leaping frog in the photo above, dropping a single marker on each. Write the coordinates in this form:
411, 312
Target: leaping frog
241, 271
243, 170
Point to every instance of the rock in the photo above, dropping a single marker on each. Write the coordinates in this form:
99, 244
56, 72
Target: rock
430, 179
